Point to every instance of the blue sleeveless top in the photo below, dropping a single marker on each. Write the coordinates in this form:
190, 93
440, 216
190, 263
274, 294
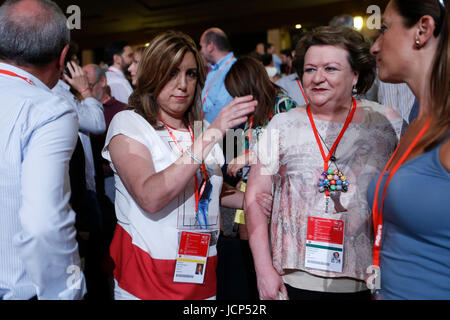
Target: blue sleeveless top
415, 248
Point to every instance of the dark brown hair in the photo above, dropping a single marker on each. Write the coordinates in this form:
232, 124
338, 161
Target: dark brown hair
358, 48
158, 61
412, 11
248, 76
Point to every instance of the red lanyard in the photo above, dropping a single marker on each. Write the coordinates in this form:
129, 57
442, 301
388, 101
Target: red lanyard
377, 211
301, 89
326, 159
12, 74
249, 136
215, 78
198, 194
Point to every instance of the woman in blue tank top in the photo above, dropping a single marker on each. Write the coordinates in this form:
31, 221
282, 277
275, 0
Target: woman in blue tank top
411, 212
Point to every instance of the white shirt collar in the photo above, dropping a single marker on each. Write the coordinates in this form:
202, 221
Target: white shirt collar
23, 73
63, 85
116, 71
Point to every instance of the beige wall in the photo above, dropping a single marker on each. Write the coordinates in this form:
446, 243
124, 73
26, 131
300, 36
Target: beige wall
87, 57
280, 38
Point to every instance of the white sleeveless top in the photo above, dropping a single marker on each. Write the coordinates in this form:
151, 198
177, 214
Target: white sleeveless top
156, 234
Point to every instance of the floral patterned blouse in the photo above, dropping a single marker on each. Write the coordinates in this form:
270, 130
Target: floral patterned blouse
288, 149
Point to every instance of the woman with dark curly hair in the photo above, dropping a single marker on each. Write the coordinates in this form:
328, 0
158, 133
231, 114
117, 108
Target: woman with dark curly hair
314, 158
167, 170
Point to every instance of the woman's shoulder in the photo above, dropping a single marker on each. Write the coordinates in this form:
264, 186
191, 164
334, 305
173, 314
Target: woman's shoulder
128, 116
378, 108
124, 115
289, 117
379, 114
129, 121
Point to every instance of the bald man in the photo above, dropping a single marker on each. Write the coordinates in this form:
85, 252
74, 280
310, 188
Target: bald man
38, 133
216, 50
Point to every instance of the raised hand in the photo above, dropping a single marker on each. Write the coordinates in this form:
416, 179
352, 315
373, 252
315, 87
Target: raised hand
234, 113
79, 80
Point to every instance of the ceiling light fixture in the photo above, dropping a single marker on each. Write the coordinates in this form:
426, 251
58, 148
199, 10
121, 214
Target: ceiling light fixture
358, 23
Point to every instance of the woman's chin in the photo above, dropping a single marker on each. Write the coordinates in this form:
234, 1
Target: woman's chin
385, 76
319, 101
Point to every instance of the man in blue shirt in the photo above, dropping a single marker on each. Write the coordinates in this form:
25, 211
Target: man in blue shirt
38, 132
216, 50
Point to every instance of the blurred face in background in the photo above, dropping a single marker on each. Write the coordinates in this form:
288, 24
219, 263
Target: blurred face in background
98, 86
126, 58
132, 69
260, 48
205, 50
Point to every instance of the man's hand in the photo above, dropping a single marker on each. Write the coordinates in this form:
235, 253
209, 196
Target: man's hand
79, 80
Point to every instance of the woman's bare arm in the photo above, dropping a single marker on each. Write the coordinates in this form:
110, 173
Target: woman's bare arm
269, 280
153, 191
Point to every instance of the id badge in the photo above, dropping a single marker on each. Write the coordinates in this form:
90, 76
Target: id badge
325, 244
192, 257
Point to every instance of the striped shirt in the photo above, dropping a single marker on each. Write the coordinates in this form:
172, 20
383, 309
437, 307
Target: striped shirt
91, 121
38, 249
398, 96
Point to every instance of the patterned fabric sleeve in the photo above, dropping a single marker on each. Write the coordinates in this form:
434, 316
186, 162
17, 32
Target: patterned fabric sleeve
283, 103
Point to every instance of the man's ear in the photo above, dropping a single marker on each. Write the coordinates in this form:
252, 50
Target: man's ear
103, 82
210, 47
425, 29
62, 58
117, 59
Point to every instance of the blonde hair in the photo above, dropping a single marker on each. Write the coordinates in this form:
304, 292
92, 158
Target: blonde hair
158, 61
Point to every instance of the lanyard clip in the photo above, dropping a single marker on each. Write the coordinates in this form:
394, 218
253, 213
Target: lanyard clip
327, 203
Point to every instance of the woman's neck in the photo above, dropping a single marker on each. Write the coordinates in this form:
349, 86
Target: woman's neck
420, 87
173, 122
332, 111
419, 78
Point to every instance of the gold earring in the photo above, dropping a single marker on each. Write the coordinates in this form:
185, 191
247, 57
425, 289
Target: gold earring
417, 43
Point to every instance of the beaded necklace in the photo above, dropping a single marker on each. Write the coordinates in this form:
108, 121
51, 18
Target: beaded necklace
331, 180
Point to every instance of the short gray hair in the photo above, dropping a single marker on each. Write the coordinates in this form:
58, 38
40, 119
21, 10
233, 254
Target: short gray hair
99, 73
36, 40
